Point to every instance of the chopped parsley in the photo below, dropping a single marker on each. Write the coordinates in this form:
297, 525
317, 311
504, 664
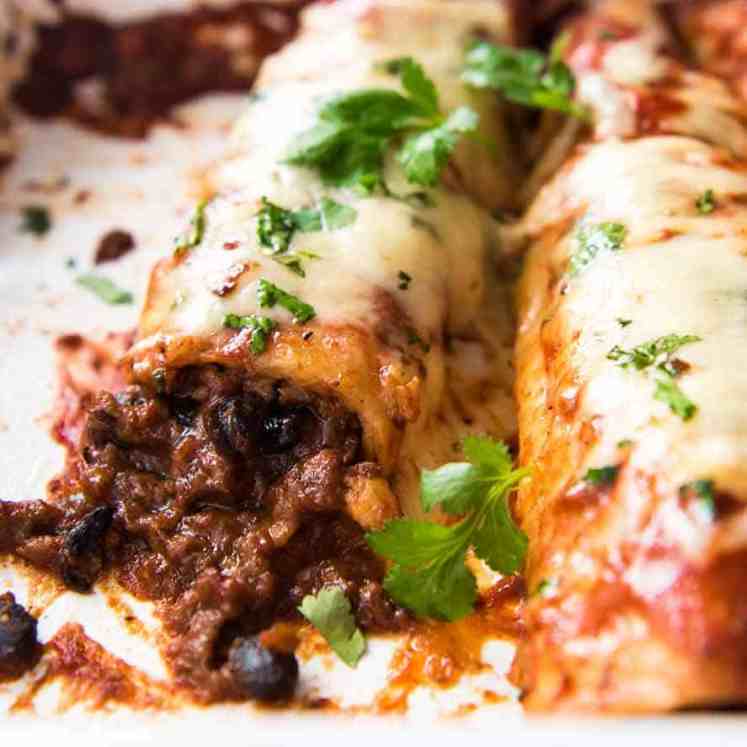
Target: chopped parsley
429, 575
625, 443
354, 131
594, 239
260, 327
658, 353
35, 219
706, 203
404, 280
704, 492
269, 295
669, 392
105, 289
329, 611
601, 475
193, 236
624, 322
524, 76
276, 227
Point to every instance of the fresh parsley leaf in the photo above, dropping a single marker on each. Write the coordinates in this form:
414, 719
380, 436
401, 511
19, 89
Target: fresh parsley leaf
193, 236
669, 392
524, 76
706, 203
429, 575
594, 239
404, 280
414, 80
334, 216
425, 154
657, 351
260, 326
601, 475
354, 131
35, 220
275, 227
330, 613
624, 322
268, 295
105, 289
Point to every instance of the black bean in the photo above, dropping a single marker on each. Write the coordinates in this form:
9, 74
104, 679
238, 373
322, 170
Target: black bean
231, 424
261, 673
184, 410
18, 641
81, 553
85, 537
282, 430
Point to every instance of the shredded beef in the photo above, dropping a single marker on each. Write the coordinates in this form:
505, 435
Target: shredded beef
222, 500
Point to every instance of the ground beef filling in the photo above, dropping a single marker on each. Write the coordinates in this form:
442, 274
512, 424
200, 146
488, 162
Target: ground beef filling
223, 501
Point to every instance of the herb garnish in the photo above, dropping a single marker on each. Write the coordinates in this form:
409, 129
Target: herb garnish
624, 322
268, 295
669, 392
658, 353
354, 130
429, 575
404, 280
601, 475
193, 236
706, 203
525, 76
105, 289
330, 613
276, 226
594, 239
35, 220
260, 326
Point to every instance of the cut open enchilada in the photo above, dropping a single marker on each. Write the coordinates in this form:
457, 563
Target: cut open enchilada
630, 363
314, 340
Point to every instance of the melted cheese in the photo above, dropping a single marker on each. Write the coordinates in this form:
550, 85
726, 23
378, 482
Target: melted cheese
454, 298
445, 248
679, 272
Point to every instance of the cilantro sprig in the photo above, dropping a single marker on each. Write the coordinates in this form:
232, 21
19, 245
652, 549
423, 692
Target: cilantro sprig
330, 613
706, 203
105, 289
429, 575
594, 239
524, 76
601, 475
657, 353
270, 295
260, 327
193, 236
276, 227
355, 130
